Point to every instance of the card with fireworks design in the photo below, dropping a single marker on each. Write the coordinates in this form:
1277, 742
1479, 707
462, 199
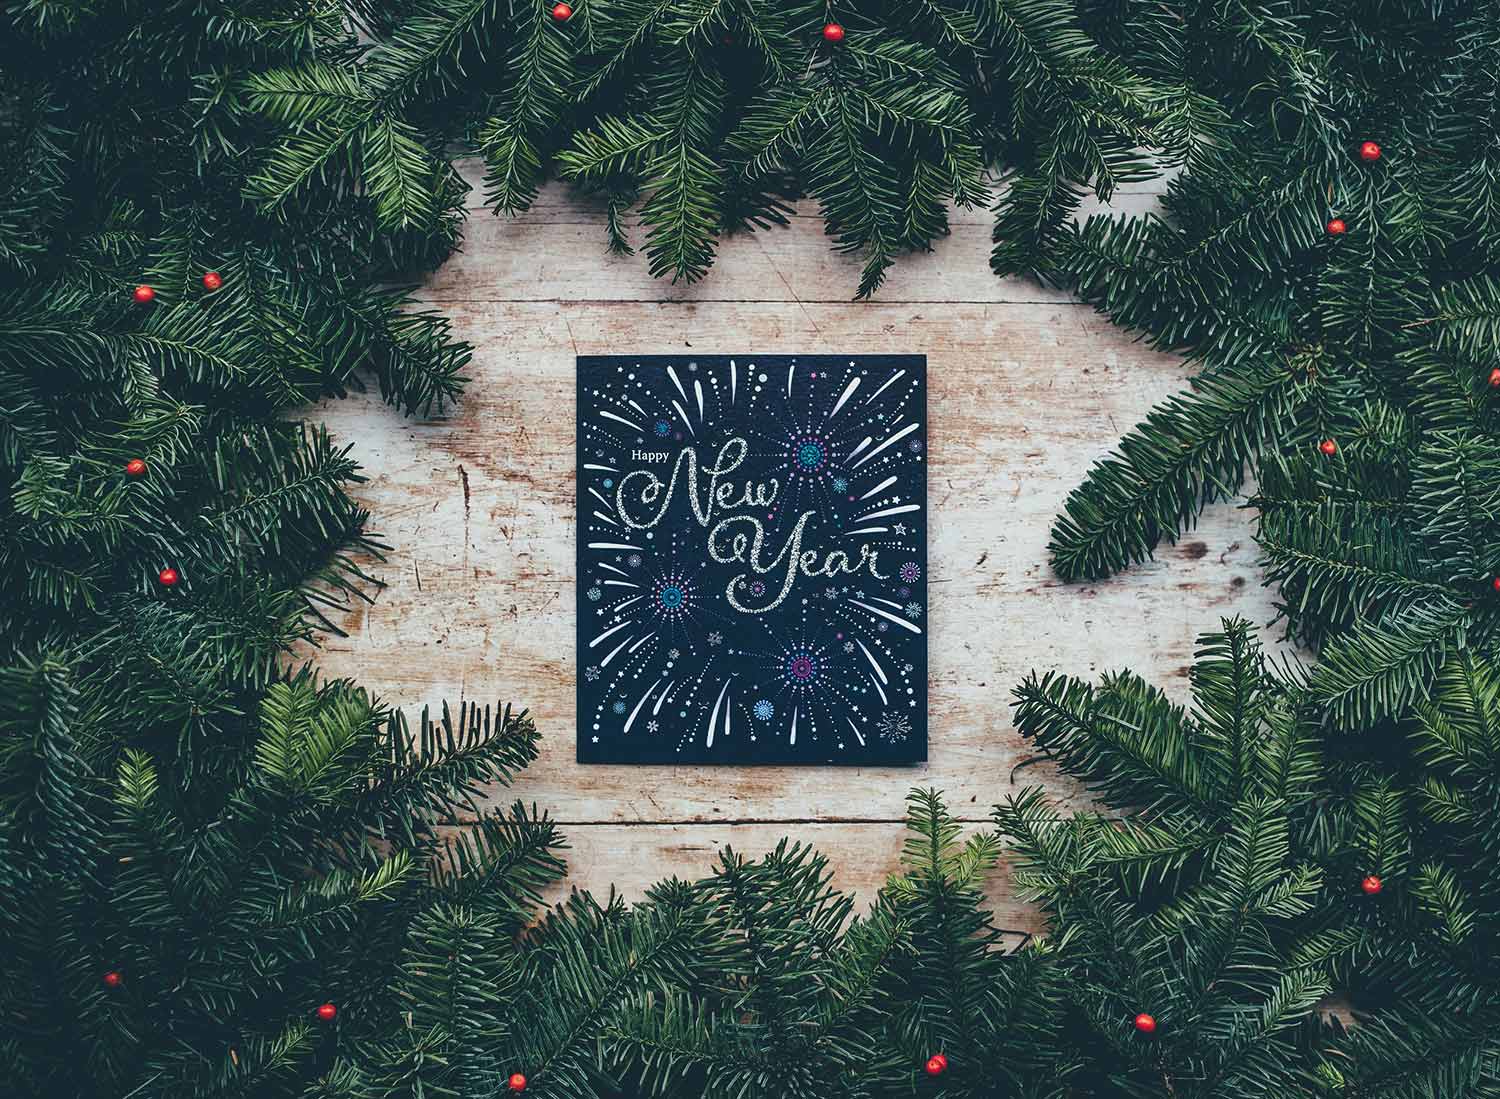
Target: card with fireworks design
752, 559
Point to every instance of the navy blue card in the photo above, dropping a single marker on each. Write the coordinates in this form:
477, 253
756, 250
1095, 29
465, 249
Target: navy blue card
752, 559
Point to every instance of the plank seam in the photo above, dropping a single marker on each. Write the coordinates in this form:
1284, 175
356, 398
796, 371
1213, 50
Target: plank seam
438, 300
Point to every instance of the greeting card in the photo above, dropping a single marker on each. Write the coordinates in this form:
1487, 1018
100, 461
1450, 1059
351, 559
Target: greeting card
752, 559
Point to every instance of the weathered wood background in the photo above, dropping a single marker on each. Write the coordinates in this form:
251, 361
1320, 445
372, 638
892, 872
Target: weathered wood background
1027, 388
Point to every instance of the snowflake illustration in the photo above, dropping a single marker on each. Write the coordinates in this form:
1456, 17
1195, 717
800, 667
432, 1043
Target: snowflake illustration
881, 627
910, 572
893, 728
908, 667
591, 673
831, 593
673, 654
595, 593
634, 560
913, 610
618, 707
840, 485
662, 429
652, 725
757, 588
716, 638
915, 446
848, 646
764, 710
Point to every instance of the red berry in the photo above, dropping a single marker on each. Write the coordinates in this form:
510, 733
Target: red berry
143, 294
1337, 228
1329, 447
113, 979
327, 1012
937, 1064
1146, 1024
168, 577
832, 32
1495, 583
517, 1081
1371, 885
562, 12
1369, 152
212, 280
1495, 376
135, 467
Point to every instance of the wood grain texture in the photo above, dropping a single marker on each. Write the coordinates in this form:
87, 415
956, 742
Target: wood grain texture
1027, 388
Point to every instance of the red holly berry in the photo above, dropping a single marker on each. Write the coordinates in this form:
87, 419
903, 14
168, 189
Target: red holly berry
327, 1012
832, 32
1369, 152
1146, 1024
1329, 447
168, 577
212, 280
1337, 228
1495, 583
937, 1064
517, 1082
1495, 376
113, 979
562, 12
143, 294
136, 467
1373, 885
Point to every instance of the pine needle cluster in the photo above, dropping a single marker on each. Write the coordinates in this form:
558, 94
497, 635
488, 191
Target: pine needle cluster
1330, 271
1246, 877
710, 115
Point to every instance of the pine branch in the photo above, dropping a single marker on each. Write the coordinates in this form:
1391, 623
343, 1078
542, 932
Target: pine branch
1189, 452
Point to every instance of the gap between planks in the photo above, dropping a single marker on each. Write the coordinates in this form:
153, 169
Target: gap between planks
595, 303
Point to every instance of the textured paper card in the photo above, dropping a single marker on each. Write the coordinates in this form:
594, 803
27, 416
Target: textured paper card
752, 559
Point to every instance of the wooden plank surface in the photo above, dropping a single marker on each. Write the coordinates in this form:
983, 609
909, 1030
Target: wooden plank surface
1026, 389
